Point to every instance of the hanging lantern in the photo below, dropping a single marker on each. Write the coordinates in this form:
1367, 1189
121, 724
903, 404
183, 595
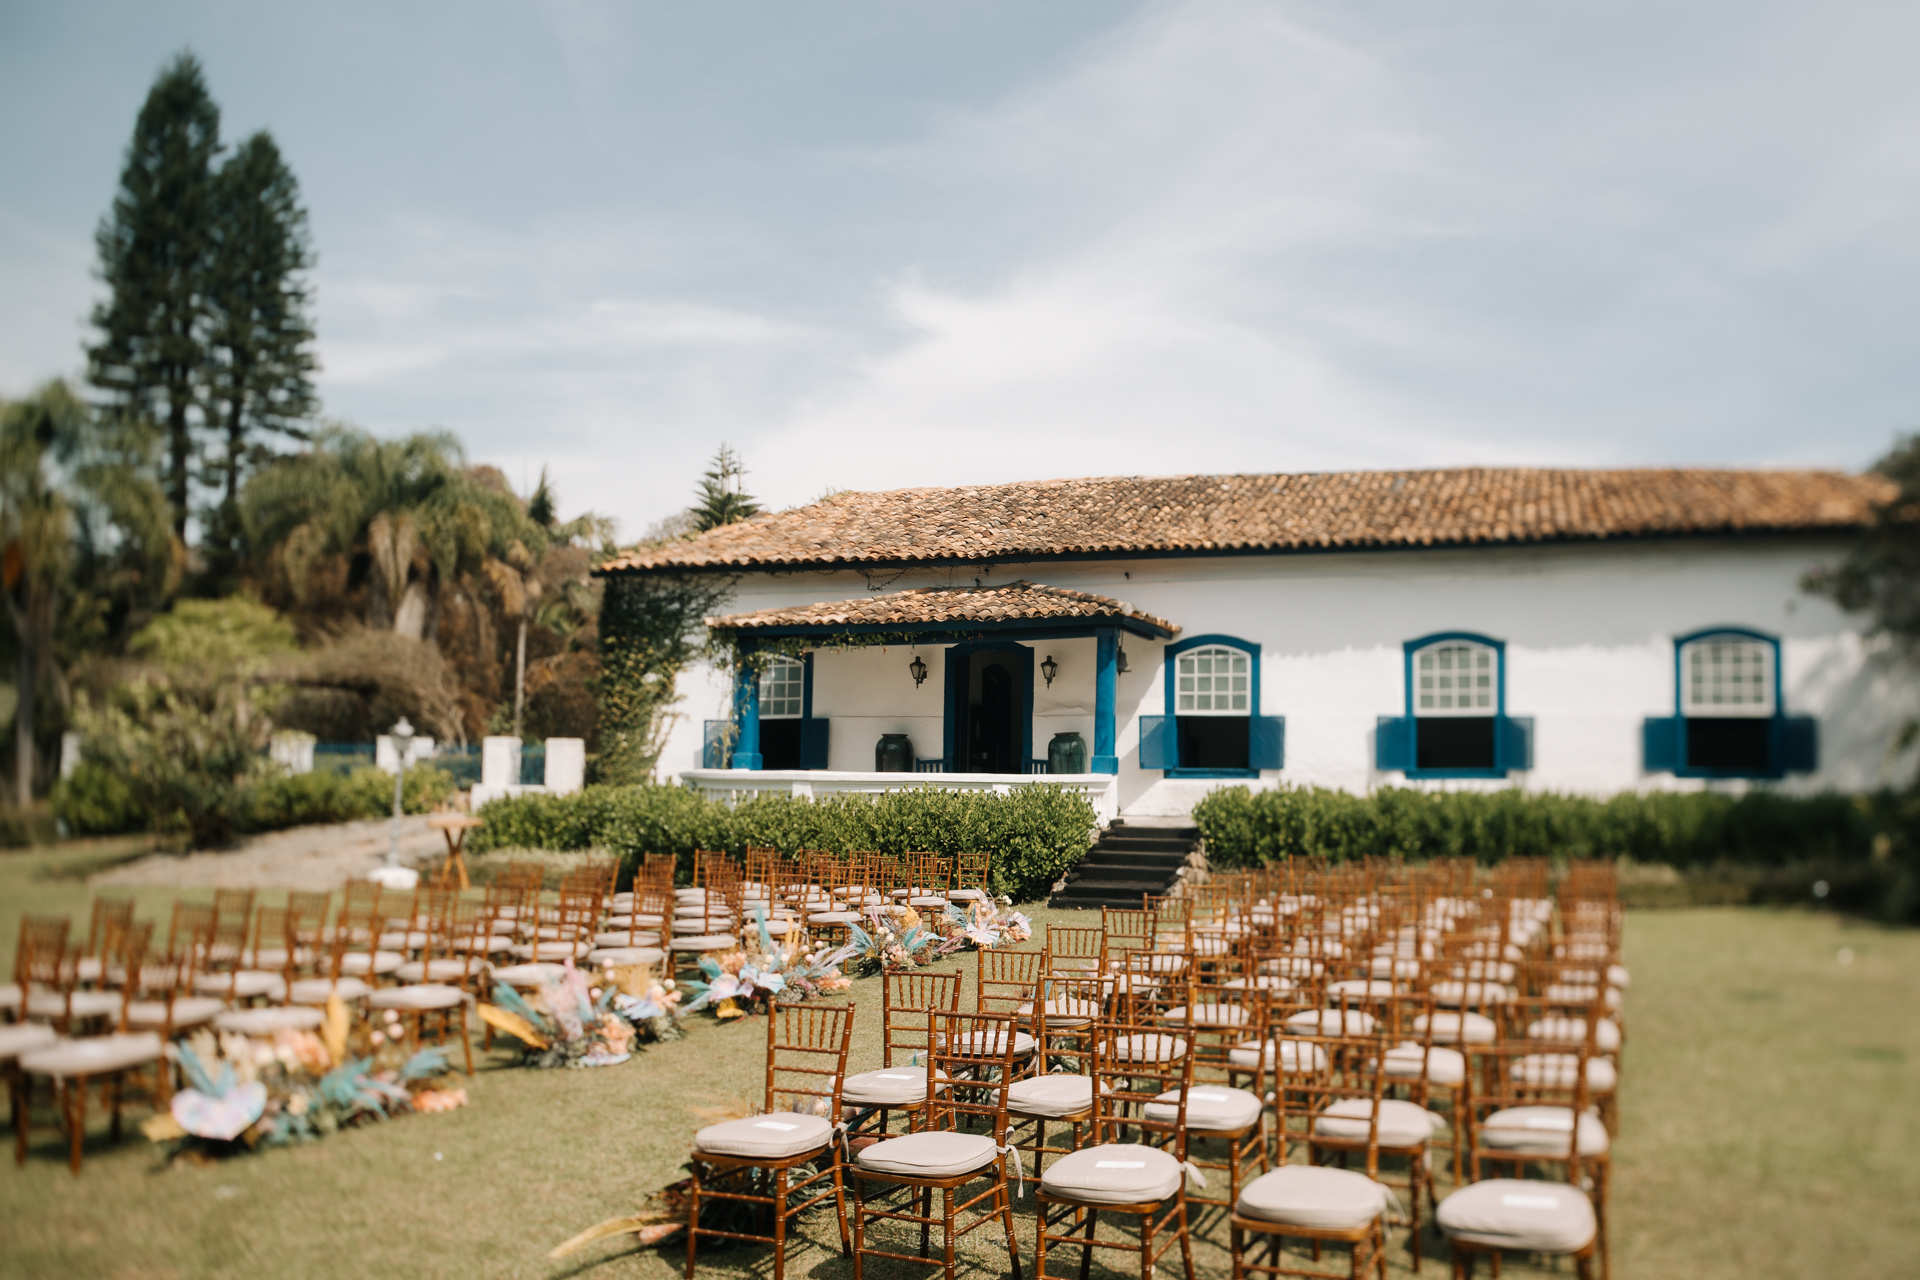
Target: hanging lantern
1049, 668
918, 670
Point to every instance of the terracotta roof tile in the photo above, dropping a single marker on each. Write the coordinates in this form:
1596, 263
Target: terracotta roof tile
1382, 509
1016, 601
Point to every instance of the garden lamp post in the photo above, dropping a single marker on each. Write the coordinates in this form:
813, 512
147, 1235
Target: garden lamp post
402, 735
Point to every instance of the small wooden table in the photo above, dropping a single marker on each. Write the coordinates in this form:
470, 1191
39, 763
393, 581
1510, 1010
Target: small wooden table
454, 826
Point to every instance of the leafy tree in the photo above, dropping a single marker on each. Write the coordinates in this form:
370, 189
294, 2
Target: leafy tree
721, 500
156, 246
1881, 574
37, 526
261, 334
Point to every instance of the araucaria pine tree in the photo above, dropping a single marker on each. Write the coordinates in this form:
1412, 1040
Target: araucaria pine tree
261, 335
156, 247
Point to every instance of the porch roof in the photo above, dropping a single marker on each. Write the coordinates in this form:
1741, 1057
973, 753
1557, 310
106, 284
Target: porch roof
1017, 604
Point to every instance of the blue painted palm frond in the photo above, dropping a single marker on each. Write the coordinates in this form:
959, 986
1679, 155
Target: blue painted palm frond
191, 1068
860, 940
513, 1002
760, 923
710, 967
427, 1062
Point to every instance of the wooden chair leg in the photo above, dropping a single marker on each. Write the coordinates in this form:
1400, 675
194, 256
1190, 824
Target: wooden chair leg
779, 1224
1086, 1254
76, 1101
693, 1217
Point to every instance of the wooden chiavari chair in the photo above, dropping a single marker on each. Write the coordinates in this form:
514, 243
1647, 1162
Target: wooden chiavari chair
908, 1001
731, 1161
894, 1180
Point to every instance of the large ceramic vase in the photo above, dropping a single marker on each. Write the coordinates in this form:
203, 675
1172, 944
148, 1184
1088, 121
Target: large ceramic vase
893, 754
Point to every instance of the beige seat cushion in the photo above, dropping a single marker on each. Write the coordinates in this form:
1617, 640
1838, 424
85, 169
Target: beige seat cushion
10, 996
1617, 976
1440, 1064
95, 1055
1260, 982
1454, 993
1456, 1028
439, 969
358, 963
245, 984
696, 926
967, 895
1322, 1198
317, 990
1209, 1015
1394, 967
887, 1087
608, 956
1293, 967
1210, 1107
1158, 962
1606, 1032
1066, 1014
1531, 1217
264, 1022
991, 1044
1360, 989
525, 977
929, 1154
834, 917
1050, 1097
926, 900
1557, 1070
705, 942
1292, 1054
642, 921
188, 1011
1328, 1022
24, 1037
551, 950
86, 1004
420, 995
1402, 1124
1114, 1173
622, 938
1149, 1047
1541, 1131
774, 1136
403, 940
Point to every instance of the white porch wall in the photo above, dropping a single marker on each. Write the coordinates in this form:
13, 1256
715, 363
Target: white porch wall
1588, 631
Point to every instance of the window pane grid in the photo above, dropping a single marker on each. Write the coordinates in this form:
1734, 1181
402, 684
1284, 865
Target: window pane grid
1727, 676
1455, 678
1213, 681
781, 684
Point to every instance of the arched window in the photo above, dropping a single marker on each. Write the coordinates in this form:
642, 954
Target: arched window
1213, 727
1213, 681
1456, 723
1731, 721
1726, 675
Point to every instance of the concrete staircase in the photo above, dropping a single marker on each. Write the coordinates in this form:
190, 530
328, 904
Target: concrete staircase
1130, 860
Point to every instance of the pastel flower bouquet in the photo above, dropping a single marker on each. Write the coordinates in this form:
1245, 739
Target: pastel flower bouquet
567, 1021
738, 981
247, 1092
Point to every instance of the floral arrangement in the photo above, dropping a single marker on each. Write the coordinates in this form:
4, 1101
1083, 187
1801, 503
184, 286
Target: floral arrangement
895, 939
568, 1022
738, 980
987, 923
247, 1092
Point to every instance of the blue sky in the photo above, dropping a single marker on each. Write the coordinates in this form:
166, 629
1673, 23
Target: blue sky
881, 245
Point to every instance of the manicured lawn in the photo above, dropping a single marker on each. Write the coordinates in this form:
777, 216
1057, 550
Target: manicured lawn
1768, 1131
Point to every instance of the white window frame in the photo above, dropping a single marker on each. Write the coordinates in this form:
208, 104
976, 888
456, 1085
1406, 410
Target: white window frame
1435, 691
1186, 700
1746, 669
783, 682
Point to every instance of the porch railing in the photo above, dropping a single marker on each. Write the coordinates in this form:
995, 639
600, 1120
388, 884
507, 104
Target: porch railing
731, 786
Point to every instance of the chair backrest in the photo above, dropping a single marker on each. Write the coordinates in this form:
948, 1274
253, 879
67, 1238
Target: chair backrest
110, 917
233, 906
1535, 1073
272, 932
909, 998
1135, 1065
807, 1056
307, 915
128, 957
1074, 949
1327, 1071
1126, 929
972, 871
969, 1068
1004, 979
40, 956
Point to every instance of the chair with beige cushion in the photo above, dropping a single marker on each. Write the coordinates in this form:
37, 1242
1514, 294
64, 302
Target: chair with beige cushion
1513, 1215
117, 1063
1314, 1203
1350, 1114
908, 1000
1226, 1112
895, 1180
1066, 1022
1136, 1165
158, 989
790, 1144
46, 970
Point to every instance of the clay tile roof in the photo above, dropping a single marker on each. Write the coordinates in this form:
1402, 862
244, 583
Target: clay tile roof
1017, 601
1179, 514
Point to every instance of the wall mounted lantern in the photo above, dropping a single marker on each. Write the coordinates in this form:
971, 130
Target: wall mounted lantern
918, 670
1120, 661
1049, 668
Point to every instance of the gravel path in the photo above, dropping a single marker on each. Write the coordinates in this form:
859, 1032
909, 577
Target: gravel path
317, 857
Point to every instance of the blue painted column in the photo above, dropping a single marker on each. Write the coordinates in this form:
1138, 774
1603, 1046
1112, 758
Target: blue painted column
746, 711
1106, 692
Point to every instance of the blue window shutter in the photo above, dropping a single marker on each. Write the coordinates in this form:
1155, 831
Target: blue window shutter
813, 742
1159, 743
1796, 744
1661, 744
713, 749
1514, 749
1393, 743
1267, 742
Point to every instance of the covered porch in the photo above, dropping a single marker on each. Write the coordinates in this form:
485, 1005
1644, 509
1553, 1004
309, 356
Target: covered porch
966, 687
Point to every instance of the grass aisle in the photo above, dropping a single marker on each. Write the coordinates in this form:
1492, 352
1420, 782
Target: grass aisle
1767, 1117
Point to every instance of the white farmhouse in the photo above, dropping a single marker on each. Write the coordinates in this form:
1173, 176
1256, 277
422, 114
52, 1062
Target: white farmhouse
1147, 639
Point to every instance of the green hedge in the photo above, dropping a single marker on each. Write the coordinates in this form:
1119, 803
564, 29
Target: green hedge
1681, 829
1032, 835
98, 800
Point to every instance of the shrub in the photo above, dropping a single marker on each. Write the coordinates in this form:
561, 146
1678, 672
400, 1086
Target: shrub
95, 800
1031, 835
276, 801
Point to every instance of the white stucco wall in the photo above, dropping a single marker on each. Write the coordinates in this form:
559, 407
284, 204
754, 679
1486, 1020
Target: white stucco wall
1588, 631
